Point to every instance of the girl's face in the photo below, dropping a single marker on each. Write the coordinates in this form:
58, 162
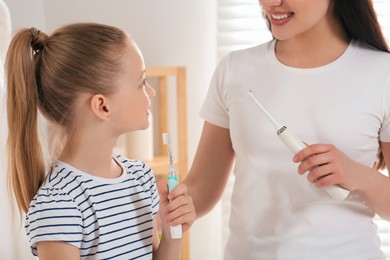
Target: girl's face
131, 100
294, 18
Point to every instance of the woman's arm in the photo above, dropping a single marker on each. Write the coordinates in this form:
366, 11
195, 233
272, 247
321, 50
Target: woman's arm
57, 250
375, 189
211, 168
204, 183
329, 166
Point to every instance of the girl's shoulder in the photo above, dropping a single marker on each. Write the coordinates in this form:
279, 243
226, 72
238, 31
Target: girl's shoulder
54, 209
132, 166
135, 168
55, 191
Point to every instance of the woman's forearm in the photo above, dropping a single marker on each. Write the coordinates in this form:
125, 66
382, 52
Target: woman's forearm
375, 188
376, 193
211, 168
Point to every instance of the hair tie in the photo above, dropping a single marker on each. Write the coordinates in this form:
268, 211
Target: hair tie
38, 40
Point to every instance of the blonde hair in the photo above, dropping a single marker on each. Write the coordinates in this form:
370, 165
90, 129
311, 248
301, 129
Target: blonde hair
46, 74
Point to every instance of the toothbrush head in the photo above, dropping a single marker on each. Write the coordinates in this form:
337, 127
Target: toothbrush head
166, 138
266, 113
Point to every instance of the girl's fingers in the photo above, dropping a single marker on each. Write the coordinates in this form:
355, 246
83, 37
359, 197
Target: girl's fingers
186, 221
178, 202
163, 193
180, 209
173, 212
181, 206
184, 214
176, 192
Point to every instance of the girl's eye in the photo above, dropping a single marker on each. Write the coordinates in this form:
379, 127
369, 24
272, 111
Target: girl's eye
144, 82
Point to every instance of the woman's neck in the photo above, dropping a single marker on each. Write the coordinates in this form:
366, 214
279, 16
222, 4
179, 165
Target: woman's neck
313, 49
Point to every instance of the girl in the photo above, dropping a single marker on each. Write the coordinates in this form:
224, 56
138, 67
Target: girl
326, 75
88, 80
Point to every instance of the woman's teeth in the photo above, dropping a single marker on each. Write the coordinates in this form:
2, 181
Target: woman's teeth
280, 16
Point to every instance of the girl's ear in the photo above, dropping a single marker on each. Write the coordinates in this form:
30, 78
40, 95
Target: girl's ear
100, 107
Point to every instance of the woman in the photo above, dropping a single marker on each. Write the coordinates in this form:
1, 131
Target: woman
326, 75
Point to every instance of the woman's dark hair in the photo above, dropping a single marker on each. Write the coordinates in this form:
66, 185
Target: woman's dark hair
360, 22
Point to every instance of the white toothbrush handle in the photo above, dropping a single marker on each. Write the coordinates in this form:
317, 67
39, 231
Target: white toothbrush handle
176, 231
294, 144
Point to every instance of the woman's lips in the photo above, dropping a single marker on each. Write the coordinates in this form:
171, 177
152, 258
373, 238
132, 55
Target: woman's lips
279, 19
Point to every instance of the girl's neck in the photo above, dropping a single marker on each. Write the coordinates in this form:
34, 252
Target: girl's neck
91, 156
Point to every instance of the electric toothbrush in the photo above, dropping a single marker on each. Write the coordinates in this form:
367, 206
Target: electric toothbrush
173, 180
294, 144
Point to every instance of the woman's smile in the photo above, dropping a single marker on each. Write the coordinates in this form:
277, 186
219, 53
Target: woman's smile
280, 18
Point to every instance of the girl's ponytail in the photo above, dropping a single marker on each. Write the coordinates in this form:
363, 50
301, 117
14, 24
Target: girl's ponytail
25, 160
47, 74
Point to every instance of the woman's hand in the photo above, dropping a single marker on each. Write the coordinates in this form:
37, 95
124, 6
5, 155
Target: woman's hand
326, 165
180, 209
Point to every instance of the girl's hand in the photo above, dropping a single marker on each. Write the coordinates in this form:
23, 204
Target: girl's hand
326, 165
180, 209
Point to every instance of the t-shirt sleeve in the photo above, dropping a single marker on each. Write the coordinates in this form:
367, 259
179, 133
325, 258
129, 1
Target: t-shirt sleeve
214, 109
151, 187
53, 216
384, 134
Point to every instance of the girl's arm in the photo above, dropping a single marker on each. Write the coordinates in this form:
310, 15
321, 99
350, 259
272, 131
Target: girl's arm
329, 166
211, 168
180, 210
166, 248
57, 250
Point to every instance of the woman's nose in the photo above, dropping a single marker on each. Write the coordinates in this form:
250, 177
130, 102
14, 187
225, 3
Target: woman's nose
271, 2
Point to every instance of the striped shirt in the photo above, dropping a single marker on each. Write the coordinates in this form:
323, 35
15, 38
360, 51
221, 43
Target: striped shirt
104, 218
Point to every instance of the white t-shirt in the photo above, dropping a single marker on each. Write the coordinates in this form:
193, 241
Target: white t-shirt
104, 218
277, 213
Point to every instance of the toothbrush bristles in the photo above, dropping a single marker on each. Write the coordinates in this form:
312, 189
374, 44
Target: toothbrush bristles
266, 113
167, 140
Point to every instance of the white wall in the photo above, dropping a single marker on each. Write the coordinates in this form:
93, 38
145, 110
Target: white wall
169, 33
26, 13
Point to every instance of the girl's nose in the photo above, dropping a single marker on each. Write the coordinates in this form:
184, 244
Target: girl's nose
150, 91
